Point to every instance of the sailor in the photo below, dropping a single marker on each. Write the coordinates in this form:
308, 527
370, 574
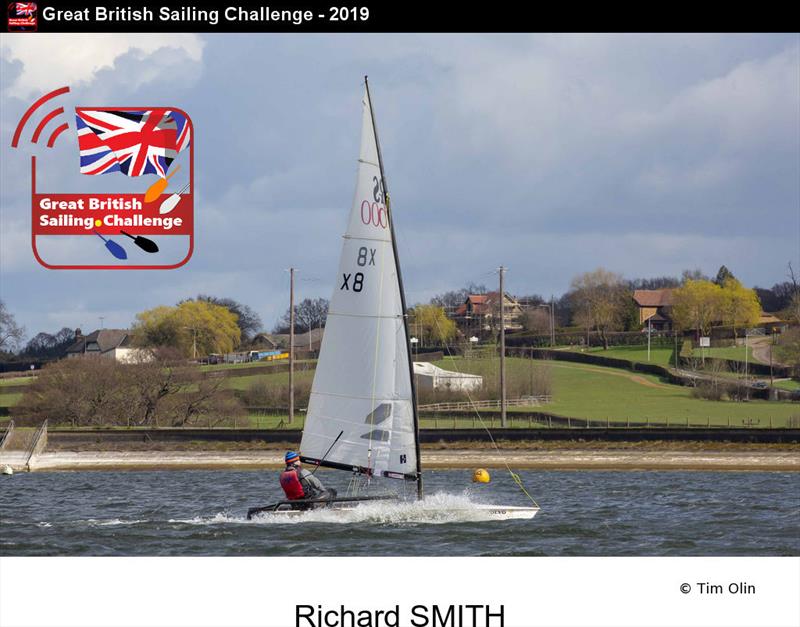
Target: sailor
298, 483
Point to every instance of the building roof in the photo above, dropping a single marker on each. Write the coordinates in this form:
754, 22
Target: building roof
768, 318
653, 298
100, 341
482, 303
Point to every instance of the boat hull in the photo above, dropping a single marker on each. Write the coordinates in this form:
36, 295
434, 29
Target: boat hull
475, 513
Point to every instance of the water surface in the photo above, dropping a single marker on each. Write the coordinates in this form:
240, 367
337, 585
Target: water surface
583, 513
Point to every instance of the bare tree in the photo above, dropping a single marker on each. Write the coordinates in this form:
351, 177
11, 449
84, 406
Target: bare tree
310, 313
601, 297
536, 320
11, 334
94, 390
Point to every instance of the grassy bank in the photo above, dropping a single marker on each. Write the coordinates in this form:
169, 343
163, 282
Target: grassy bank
615, 395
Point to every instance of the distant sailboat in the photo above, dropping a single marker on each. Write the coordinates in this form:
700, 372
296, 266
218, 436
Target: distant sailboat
362, 416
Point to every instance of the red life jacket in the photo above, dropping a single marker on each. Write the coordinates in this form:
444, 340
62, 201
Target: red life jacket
290, 482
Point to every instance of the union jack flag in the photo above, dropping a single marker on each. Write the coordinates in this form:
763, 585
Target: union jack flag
134, 142
25, 8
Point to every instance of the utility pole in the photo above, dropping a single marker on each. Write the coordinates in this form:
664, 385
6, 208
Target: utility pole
101, 321
291, 345
503, 422
552, 322
649, 332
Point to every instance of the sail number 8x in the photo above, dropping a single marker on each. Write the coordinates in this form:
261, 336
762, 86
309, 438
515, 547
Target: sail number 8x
362, 260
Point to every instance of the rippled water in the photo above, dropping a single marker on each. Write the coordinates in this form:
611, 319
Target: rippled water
583, 513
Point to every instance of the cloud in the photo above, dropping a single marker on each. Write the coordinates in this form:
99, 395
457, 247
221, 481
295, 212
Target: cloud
69, 59
550, 154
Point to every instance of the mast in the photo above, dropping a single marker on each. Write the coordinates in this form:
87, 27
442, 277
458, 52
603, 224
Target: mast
503, 423
402, 290
291, 345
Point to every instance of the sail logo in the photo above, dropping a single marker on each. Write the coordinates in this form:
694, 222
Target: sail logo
374, 213
123, 229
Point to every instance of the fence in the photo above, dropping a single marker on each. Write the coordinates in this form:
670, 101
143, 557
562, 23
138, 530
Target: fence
525, 401
37, 445
7, 434
542, 420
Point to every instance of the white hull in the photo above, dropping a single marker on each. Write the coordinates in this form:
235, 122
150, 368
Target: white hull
475, 513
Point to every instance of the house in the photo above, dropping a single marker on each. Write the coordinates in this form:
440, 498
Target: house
430, 377
655, 306
262, 341
481, 312
113, 343
308, 341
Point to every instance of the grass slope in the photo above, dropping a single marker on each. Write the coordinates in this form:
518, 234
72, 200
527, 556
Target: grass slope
598, 393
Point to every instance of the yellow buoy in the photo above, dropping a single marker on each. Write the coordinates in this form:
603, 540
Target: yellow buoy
481, 475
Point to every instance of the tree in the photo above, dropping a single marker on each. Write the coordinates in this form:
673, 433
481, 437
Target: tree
193, 327
451, 300
98, 391
431, 325
537, 320
310, 313
47, 346
656, 283
723, 274
601, 298
739, 305
11, 334
793, 310
787, 350
696, 304
777, 297
693, 275
248, 321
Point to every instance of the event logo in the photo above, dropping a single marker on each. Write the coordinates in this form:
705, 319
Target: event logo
141, 142
22, 17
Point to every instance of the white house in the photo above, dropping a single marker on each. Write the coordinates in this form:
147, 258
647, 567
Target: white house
430, 377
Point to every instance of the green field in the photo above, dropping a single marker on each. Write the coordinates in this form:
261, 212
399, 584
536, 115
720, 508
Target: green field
661, 355
244, 382
10, 399
788, 384
734, 353
248, 364
616, 395
17, 381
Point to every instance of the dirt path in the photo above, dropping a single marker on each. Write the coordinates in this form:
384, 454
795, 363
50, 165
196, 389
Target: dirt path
631, 377
762, 347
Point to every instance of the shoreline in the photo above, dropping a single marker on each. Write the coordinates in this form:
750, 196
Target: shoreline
554, 459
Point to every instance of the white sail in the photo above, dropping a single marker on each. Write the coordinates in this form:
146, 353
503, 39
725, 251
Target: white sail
362, 386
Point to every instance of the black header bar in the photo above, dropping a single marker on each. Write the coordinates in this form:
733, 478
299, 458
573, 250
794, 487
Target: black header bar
338, 16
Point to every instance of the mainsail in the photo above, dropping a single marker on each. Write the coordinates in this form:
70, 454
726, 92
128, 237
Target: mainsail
361, 410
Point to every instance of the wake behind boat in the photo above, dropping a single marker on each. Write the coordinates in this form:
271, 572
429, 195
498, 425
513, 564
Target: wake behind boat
362, 415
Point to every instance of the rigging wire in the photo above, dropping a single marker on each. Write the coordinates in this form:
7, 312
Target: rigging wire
514, 476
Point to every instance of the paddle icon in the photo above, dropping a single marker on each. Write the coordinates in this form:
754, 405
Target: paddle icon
154, 191
147, 245
114, 248
170, 203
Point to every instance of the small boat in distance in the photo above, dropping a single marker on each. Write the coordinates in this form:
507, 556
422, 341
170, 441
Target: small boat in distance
362, 416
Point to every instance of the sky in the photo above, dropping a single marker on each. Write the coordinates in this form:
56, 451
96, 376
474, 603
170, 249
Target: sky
550, 154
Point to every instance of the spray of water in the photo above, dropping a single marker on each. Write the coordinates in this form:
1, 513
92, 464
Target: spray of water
434, 509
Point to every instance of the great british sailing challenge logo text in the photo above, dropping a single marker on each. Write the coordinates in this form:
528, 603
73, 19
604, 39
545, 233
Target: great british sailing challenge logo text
149, 225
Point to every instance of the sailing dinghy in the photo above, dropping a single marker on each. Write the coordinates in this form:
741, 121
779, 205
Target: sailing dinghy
361, 416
